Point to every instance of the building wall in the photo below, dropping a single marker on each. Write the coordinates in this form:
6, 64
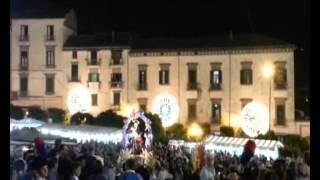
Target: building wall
37, 29
230, 95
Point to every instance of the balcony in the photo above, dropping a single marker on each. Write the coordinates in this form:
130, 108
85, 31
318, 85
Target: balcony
74, 79
94, 85
215, 87
116, 84
93, 62
24, 38
50, 38
24, 67
192, 86
281, 86
50, 66
23, 93
116, 62
142, 87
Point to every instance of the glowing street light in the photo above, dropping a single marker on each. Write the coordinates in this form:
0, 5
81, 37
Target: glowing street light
268, 73
195, 131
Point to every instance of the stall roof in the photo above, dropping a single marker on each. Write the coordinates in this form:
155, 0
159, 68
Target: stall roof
234, 141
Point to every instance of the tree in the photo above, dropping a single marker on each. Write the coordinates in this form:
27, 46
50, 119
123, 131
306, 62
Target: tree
36, 112
90, 120
156, 125
227, 131
109, 118
56, 114
177, 131
16, 112
76, 118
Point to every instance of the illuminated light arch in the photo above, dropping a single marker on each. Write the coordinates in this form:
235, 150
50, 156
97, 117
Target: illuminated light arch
255, 119
166, 106
79, 100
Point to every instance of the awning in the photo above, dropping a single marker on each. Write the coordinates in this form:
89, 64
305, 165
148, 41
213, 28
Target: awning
234, 145
82, 133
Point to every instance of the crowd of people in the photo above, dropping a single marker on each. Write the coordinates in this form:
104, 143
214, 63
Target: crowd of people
94, 161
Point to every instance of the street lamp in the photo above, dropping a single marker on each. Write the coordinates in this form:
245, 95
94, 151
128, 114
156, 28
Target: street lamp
268, 73
195, 131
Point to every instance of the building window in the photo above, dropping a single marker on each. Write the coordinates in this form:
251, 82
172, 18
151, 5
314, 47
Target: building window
50, 33
164, 74
142, 104
244, 102
116, 98
192, 76
192, 110
280, 75
74, 72
280, 112
93, 59
216, 111
116, 80
116, 57
24, 33
246, 73
49, 84
74, 54
142, 77
23, 86
50, 59
215, 76
24, 58
93, 77
94, 99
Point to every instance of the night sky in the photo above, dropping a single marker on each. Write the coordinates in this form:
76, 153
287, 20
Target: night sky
282, 19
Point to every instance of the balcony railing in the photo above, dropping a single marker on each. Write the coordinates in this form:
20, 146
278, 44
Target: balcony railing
282, 86
24, 67
24, 38
115, 107
50, 38
74, 79
215, 87
116, 84
192, 86
93, 62
50, 66
116, 62
142, 87
23, 94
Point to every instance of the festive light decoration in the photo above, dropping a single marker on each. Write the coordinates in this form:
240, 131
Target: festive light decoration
166, 106
84, 133
195, 130
255, 119
25, 123
79, 100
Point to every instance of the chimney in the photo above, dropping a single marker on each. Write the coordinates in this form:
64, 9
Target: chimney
113, 36
231, 36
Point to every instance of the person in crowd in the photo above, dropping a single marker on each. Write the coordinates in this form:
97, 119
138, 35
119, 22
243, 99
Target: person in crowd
64, 163
75, 171
208, 171
109, 171
40, 147
130, 173
39, 170
19, 164
53, 169
55, 150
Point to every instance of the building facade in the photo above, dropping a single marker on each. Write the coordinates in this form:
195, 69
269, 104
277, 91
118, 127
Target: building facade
210, 83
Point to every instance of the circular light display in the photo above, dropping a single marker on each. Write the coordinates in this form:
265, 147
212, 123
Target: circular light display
79, 100
166, 106
255, 119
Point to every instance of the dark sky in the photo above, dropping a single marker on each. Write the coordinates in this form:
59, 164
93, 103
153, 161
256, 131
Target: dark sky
283, 19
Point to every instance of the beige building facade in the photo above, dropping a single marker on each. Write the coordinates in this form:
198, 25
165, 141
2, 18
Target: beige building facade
210, 84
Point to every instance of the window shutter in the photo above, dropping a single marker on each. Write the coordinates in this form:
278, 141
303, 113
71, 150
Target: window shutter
160, 77
167, 77
211, 77
220, 76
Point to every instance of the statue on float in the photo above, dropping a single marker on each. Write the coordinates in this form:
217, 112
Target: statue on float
137, 133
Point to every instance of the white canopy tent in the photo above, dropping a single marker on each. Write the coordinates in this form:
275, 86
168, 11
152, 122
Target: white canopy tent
82, 133
233, 145
28, 122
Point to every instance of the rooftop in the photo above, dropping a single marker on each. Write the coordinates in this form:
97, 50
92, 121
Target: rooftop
40, 13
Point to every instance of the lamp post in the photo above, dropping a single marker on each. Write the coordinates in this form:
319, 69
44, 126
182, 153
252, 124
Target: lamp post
268, 73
